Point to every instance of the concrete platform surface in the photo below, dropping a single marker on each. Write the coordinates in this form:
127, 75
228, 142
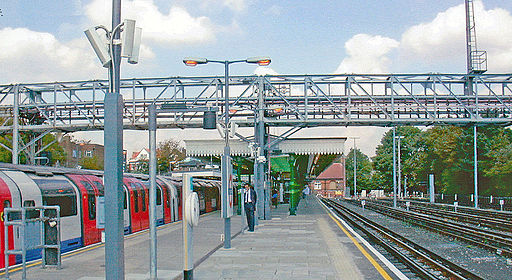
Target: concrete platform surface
310, 245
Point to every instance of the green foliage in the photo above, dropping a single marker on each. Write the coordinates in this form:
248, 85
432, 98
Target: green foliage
91, 163
167, 152
447, 152
364, 171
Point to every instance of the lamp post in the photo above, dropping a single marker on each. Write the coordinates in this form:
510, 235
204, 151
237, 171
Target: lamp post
399, 167
226, 160
108, 49
355, 168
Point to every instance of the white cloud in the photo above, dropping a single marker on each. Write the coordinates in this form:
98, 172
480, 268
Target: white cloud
174, 27
264, 70
30, 56
443, 39
367, 54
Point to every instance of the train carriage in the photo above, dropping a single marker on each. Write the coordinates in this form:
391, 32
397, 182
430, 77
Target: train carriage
76, 193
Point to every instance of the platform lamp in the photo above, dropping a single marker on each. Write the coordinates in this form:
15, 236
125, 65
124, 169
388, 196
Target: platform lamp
110, 49
226, 160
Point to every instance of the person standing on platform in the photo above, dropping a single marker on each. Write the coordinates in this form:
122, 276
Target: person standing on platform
306, 191
250, 205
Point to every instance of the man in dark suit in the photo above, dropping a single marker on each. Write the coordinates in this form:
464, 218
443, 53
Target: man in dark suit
250, 205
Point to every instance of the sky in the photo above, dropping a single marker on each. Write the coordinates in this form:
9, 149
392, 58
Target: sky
43, 41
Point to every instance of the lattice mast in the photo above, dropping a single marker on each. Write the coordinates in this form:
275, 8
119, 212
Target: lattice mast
476, 60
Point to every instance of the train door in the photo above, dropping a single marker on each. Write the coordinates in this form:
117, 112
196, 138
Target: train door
171, 207
143, 203
30, 195
88, 194
126, 210
160, 203
59, 191
5, 202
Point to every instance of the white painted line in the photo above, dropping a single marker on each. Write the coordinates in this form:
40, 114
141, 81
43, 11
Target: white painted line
383, 259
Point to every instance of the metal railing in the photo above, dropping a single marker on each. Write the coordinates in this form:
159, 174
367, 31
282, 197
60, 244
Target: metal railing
47, 220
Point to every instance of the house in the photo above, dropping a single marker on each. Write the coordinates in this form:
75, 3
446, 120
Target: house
79, 153
331, 182
139, 160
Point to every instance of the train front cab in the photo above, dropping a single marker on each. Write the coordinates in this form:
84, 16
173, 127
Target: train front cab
48, 189
137, 204
90, 187
6, 201
172, 213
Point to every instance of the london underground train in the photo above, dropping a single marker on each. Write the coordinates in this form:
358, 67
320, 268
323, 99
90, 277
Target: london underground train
76, 191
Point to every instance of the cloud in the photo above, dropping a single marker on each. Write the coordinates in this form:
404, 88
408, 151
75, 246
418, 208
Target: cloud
367, 54
444, 38
264, 70
30, 56
174, 27
440, 43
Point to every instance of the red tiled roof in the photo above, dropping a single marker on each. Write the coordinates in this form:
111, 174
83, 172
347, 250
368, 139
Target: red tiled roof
335, 171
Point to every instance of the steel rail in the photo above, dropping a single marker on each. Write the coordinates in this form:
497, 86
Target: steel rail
494, 241
449, 269
494, 223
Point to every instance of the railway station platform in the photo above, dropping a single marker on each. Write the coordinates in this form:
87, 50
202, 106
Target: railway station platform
311, 245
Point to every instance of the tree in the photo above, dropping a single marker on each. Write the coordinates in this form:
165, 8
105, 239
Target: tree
91, 163
410, 145
167, 152
364, 171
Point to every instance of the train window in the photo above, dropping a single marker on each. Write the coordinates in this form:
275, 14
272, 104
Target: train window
7, 204
29, 203
136, 200
88, 187
125, 201
158, 196
91, 199
59, 193
100, 187
143, 197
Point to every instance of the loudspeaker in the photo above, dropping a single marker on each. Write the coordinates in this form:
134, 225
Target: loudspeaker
100, 46
134, 58
128, 37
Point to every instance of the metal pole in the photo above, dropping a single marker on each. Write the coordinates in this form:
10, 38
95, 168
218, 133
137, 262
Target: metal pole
399, 169
152, 193
475, 156
355, 170
188, 257
394, 168
113, 139
16, 125
226, 161
260, 168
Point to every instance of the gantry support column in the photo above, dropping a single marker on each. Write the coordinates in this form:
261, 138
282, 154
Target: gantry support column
16, 125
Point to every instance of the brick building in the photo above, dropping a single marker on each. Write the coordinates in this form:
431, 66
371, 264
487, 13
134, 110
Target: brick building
331, 182
77, 153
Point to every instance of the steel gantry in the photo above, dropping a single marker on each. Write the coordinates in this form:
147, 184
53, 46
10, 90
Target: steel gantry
294, 101
287, 100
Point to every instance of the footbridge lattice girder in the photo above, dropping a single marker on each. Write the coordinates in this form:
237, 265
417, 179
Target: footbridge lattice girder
290, 100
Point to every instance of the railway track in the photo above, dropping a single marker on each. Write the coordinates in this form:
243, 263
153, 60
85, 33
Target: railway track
490, 213
488, 221
418, 259
495, 241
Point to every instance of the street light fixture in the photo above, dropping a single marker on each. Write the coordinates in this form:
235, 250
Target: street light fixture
226, 160
399, 138
108, 49
355, 167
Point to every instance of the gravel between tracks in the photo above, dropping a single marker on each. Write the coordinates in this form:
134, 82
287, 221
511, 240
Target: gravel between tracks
478, 260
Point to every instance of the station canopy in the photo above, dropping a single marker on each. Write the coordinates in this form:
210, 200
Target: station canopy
299, 146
